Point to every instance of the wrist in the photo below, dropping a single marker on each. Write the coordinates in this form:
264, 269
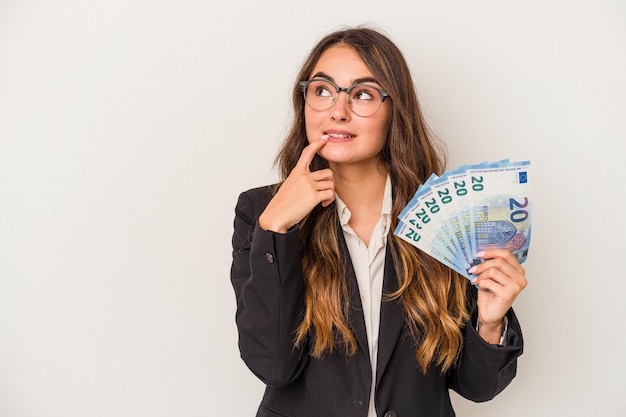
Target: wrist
493, 333
489, 327
267, 225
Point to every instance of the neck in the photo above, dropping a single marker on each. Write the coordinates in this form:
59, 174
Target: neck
362, 190
359, 186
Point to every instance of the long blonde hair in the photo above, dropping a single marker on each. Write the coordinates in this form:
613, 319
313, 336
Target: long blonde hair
432, 296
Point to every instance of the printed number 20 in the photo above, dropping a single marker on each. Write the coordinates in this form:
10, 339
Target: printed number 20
518, 215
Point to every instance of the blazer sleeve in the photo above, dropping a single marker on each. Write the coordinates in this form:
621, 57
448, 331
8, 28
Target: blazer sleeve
483, 369
266, 275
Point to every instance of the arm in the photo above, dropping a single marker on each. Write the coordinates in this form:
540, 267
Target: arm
484, 369
267, 271
267, 278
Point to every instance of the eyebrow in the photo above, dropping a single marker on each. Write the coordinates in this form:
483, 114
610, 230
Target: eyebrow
357, 81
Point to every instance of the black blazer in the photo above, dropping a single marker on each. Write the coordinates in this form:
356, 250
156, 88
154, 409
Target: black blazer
267, 277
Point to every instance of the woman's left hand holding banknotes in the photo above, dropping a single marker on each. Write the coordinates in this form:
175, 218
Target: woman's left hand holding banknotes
500, 278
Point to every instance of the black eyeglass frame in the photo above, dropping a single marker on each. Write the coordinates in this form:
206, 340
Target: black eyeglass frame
304, 84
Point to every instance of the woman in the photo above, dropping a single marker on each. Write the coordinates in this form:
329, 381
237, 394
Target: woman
336, 315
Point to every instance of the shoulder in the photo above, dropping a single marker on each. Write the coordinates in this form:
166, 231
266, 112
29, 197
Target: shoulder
255, 200
262, 192
259, 194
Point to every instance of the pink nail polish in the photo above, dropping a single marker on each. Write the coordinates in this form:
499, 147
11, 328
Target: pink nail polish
480, 254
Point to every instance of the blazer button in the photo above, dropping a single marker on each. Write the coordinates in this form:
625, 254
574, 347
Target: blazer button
269, 257
391, 413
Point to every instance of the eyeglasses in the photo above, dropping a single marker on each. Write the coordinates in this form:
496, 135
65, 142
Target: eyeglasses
363, 99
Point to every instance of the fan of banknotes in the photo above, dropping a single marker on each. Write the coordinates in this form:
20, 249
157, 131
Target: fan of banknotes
454, 216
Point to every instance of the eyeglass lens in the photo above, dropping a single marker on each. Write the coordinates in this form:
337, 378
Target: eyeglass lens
363, 100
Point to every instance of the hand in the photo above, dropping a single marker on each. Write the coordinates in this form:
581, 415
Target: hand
300, 192
500, 280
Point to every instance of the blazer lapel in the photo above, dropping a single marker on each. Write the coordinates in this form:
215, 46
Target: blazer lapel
391, 320
357, 321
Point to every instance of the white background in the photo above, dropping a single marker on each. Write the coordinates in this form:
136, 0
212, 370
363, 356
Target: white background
129, 127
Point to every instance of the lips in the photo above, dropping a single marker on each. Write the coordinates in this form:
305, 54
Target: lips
338, 136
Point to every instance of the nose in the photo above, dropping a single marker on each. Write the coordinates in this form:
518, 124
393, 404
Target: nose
341, 108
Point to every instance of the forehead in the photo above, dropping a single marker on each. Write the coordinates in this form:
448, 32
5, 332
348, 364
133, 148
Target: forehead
342, 63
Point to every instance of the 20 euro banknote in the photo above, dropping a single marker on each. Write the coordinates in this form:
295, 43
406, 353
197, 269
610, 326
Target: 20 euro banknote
476, 207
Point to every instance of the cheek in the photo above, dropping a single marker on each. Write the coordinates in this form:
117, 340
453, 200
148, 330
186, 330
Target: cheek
311, 123
382, 129
386, 127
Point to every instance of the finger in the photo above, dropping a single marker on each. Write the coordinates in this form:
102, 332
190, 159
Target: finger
500, 281
499, 264
504, 254
322, 175
325, 185
489, 276
325, 190
500, 298
308, 153
331, 197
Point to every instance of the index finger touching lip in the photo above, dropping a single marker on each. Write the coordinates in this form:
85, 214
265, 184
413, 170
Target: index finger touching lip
308, 153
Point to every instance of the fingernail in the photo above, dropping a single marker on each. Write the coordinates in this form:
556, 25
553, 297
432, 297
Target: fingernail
472, 270
325, 137
480, 254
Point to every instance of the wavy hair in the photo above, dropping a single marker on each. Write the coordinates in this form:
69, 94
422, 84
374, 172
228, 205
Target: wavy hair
433, 297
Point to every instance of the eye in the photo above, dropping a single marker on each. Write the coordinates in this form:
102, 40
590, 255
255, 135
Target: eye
363, 93
322, 91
